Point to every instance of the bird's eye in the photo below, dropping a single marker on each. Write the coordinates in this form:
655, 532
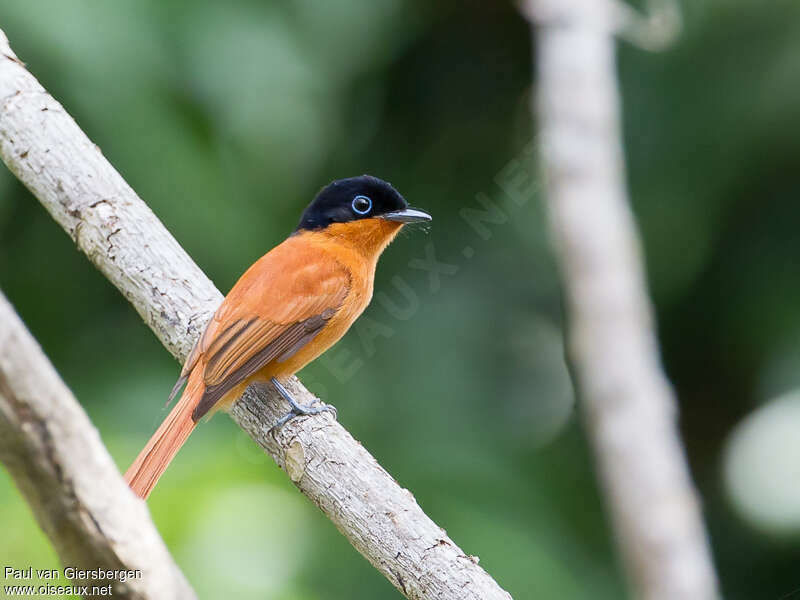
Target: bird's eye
362, 204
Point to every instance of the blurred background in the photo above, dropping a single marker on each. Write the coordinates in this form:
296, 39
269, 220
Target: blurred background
226, 118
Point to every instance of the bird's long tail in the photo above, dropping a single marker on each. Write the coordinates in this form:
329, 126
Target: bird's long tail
154, 459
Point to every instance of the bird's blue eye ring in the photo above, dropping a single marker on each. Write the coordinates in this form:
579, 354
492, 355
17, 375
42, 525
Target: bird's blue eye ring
362, 204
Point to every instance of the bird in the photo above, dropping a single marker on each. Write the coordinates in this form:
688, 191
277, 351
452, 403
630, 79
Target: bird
288, 308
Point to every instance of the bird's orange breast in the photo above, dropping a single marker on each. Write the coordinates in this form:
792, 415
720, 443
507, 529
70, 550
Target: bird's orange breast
356, 246
311, 272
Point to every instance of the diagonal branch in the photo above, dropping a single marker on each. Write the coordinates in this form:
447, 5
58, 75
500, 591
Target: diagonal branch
48, 152
628, 403
59, 463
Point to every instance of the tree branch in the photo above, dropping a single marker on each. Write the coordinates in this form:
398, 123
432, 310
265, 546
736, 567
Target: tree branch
49, 153
629, 406
59, 463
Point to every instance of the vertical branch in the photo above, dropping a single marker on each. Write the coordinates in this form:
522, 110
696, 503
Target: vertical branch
60, 465
629, 406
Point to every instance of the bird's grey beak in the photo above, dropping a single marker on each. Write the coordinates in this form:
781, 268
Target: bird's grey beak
407, 215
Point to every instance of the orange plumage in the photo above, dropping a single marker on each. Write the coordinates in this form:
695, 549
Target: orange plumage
290, 306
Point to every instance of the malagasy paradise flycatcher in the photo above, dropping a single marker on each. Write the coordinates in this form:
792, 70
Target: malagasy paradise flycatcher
293, 304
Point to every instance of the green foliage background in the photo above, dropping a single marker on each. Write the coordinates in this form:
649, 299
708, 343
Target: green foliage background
227, 117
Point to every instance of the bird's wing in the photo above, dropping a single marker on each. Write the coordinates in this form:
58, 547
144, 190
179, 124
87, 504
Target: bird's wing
279, 305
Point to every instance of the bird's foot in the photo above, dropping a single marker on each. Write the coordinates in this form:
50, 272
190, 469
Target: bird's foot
298, 409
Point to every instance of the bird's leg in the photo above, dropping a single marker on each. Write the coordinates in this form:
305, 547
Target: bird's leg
297, 409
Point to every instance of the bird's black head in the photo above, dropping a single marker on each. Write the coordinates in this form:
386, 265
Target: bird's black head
355, 198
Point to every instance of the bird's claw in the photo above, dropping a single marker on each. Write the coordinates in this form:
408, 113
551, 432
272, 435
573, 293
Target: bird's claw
298, 409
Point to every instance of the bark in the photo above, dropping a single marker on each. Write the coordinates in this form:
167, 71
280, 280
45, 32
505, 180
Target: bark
57, 460
629, 406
